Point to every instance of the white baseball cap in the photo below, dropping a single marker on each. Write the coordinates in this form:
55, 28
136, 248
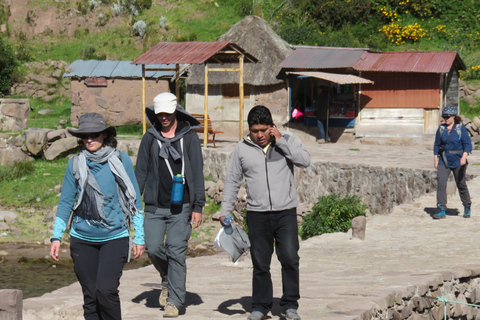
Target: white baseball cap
165, 102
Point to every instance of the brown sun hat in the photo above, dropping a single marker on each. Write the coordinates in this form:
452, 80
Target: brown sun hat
90, 123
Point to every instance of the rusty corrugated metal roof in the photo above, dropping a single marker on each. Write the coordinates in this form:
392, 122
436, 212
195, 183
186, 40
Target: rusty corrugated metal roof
426, 61
193, 52
305, 57
334, 77
114, 69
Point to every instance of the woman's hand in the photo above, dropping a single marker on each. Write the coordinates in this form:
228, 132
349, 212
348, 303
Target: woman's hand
463, 160
435, 161
54, 249
138, 250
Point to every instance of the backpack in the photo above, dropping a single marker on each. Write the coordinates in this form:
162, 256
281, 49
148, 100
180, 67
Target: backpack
458, 128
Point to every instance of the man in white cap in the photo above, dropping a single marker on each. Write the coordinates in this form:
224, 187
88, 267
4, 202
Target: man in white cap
168, 149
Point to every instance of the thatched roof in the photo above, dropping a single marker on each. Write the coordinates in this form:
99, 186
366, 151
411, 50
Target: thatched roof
257, 37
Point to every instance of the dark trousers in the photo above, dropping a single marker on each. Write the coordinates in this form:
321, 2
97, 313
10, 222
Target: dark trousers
266, 229
459, 173
98, 267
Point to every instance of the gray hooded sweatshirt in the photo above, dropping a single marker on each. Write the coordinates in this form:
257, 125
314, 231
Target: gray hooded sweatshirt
269, 177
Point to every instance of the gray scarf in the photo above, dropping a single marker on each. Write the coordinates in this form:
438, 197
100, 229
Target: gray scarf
91, 200
167, 148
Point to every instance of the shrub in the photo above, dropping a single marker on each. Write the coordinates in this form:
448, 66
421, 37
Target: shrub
4, 13
139, 28
8, 64
94, 4
89, 53
472, 73
331, 214
337, 13
163, 22
132, 7
17, 170
118, 9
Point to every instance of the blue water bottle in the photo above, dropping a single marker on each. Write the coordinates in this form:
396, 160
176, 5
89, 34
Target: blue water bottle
227, 224
177, 191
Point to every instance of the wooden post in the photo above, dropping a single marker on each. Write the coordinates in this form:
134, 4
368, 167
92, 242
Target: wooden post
144, 120
241, 93
205, 113
177, 83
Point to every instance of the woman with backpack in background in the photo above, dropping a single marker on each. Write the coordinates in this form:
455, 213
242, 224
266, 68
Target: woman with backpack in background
451, 148
100, 189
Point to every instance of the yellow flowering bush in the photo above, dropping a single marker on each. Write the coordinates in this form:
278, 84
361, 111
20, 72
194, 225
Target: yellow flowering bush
472, 73
399, 34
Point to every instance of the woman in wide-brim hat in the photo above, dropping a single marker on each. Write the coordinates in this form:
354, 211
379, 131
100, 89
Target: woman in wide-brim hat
101, 190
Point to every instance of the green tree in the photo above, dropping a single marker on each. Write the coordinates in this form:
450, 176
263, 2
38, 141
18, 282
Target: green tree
8, 63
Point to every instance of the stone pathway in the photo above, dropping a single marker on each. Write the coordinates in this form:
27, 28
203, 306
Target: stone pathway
340, 277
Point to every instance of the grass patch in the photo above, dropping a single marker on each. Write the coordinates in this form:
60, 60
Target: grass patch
209, 177
354, 149
61, 110
211, 208
33, 188
130, 129
34, 260
470, 110
17, 170
32, 224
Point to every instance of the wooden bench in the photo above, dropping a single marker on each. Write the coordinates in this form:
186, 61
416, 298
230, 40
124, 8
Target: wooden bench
201, 119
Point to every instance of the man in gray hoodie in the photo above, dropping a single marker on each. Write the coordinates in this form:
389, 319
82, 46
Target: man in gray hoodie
266, 158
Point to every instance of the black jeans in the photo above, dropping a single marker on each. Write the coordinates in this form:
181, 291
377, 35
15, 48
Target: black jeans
98, 267
266, 229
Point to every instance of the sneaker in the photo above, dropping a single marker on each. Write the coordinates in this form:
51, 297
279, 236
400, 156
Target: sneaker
256, 315
468, 212
440, 213
321, 141
291, 314
171, 311
163, 297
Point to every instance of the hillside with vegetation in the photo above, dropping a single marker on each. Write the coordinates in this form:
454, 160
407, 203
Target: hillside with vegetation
67, 30
40, 30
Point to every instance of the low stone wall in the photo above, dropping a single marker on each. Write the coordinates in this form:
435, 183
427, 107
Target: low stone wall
380, 188
14, 114
420, 301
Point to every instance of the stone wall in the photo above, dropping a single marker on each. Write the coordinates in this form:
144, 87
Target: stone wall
45, 81
14, 114
120, 102
420, 301
380, 188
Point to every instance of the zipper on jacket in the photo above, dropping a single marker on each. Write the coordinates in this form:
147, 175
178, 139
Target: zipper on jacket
268, 184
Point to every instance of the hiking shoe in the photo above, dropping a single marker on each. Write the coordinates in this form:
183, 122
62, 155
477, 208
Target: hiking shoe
291, 314
440, 213
163, 297
256, 315
171, 311
468, 212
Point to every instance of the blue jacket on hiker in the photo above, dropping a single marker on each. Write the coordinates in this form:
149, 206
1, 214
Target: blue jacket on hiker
452, 141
